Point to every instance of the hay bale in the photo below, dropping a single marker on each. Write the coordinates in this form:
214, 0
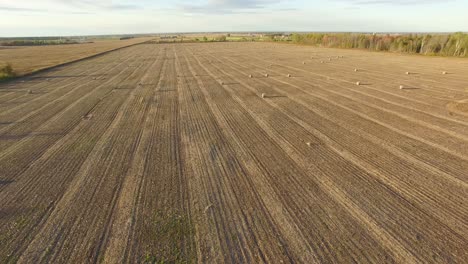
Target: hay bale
87, 117
208, 208
402, 87
30, 92
263, 95
444, 72
250, 76
266, 75
289, 75
356, 70
407, 73
309, 144
358, 83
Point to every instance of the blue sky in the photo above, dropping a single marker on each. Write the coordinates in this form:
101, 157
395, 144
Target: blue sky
88, 17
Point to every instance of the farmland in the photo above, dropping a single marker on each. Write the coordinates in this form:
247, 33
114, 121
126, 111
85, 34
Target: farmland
167, 153
28, 59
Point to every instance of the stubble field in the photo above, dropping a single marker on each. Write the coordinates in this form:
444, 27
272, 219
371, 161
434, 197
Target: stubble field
28, 59
164, 153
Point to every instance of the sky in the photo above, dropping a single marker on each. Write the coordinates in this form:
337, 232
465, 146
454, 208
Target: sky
96, 17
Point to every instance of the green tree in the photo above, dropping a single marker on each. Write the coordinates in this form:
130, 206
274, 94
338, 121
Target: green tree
7, 72
221, 38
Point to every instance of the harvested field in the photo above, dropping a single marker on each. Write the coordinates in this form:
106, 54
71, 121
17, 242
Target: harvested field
27, 59
173, 153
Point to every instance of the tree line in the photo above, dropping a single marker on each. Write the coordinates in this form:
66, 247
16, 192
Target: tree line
37, 42
428, 44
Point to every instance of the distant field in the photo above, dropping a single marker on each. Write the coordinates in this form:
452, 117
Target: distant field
235, 153
29, 59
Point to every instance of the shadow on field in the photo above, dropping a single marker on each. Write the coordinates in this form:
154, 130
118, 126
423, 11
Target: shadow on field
275, 96
411, 88
66, 76
269, 76
193, 76
166, 90
30, 135
6, 123
10, 104
5, 182
125, 88
149, 84
36, 92
10, 90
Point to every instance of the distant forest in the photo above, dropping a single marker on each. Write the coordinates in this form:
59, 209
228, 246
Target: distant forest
428, 44
37, 42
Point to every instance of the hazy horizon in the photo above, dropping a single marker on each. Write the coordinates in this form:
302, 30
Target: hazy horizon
30, 18
222, 32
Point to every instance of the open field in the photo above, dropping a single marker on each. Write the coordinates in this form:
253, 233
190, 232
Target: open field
26, 59
167, 153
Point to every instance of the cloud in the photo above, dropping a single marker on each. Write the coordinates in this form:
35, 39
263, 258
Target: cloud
39, 10
121, 7
390, 2
100, 5
228, 6
69, 6
20, 9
